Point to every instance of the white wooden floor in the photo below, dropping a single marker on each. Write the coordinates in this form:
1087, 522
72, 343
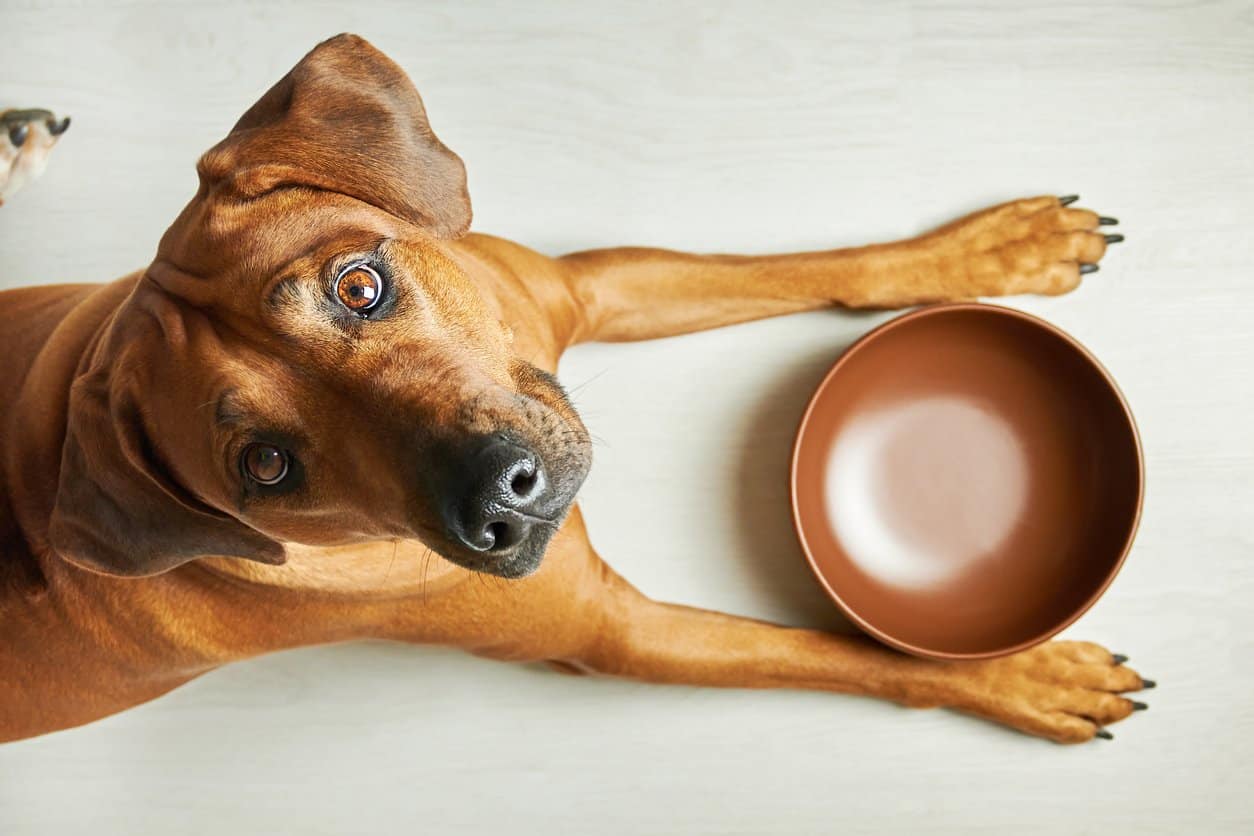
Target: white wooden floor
753, 127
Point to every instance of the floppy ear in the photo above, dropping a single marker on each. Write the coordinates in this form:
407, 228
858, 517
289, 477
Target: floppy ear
346, 119
118, 510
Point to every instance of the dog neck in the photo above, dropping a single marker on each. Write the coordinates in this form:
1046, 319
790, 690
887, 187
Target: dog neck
376, 570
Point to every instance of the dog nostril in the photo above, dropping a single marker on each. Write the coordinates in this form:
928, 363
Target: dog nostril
502, 536
497, 532
524, 482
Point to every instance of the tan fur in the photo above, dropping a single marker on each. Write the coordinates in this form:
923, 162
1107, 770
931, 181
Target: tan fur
361, 561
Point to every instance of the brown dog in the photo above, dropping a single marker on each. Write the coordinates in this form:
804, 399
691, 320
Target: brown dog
259, 441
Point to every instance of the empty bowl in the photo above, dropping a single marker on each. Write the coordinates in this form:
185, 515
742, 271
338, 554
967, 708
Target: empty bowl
966, 481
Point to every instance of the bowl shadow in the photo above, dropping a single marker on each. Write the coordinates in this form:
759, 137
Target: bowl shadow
768, 550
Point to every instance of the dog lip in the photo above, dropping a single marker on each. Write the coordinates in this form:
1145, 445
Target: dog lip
542, 520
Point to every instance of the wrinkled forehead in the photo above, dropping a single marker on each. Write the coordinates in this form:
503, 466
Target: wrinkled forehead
259, 275
200, 372
220, 249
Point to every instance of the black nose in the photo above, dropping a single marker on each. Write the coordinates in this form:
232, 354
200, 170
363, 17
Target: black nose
502, 489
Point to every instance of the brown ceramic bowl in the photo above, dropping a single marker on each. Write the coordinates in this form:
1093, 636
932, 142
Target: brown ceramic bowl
966, 481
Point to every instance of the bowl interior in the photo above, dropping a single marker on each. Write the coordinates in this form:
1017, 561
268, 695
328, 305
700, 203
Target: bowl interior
966, 481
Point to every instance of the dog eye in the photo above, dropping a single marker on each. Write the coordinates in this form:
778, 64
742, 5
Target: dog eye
18, 134
359, 287
265, 464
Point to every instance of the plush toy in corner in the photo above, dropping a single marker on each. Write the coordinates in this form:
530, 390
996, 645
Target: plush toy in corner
26, 140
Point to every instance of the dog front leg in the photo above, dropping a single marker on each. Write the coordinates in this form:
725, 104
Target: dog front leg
1064, 691
1036, 245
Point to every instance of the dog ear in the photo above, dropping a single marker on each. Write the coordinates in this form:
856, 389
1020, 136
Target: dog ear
118, 509
346, 119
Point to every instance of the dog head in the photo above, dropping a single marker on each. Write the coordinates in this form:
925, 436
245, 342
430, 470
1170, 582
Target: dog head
305, 360
26, 140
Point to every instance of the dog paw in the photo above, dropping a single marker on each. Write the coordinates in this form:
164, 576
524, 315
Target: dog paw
1068, 692
26, 139
1039, 245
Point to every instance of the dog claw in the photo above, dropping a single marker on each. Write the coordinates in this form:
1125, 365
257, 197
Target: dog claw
1114, 239
57, 128
1088, 268
1119, 659
1067, 200
1105, 221
1148, 683
1105, 735
1137, 705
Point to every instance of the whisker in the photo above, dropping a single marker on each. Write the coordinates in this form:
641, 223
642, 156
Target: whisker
426, 565
580, 386
388, 573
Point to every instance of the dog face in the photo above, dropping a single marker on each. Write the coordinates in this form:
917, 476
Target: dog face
306, 361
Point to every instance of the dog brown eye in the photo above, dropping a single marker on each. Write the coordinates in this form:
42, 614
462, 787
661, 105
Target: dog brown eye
265, 463
18, 134
359, 287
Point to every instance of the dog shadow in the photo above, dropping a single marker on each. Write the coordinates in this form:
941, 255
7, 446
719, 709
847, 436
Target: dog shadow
769, 552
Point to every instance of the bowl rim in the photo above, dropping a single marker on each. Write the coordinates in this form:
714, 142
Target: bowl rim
942, 310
